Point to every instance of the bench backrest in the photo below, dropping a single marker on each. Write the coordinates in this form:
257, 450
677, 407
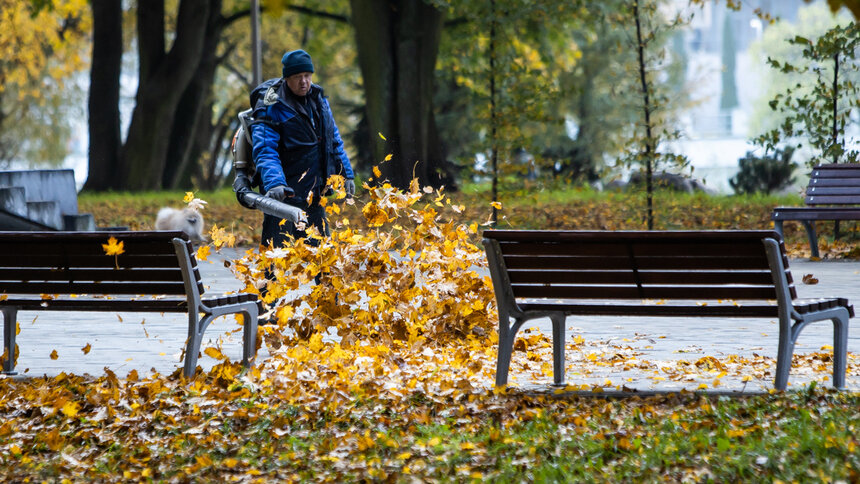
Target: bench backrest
636, 265
67, 263
834, 184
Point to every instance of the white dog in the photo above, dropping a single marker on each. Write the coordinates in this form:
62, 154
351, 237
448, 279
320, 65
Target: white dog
188, 220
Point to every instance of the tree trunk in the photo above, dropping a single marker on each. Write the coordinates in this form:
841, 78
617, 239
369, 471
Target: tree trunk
191, 114
103, 104
163, 79
398, 43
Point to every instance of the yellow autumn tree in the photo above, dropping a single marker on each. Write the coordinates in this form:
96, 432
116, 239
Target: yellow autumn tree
42, 45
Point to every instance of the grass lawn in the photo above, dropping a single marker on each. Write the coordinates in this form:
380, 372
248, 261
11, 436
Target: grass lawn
572, 209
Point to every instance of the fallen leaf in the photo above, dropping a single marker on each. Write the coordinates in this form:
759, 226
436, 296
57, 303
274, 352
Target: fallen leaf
113, 247
809, 279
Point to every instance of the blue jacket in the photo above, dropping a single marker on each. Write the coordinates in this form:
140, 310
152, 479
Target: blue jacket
290, 147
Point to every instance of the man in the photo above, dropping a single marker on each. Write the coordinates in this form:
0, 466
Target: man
296, 146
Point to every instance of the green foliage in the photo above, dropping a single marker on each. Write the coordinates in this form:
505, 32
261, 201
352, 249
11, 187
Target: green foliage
508, 56
651, 30
821, 107
766, 174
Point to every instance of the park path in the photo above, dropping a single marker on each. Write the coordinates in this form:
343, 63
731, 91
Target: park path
143, 341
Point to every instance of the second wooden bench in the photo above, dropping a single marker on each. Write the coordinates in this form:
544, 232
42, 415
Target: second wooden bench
833, 194
692, 274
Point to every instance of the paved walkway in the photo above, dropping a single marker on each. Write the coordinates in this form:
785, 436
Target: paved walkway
155, 341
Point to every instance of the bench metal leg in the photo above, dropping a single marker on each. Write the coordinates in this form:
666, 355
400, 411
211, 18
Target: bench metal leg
558, 321
783, 359
196, 328
840, 351
810, 234
506, 348
195, 339
507, 335
10, 317
789, 333
249, 347
809, 225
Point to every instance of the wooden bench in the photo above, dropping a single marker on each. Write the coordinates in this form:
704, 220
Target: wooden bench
69, 271
739, 274
833, 193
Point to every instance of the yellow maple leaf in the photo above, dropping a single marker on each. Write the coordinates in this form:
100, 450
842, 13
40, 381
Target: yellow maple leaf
388, 157
203, 252
188, 197
113, 247
70, 409
86, 349
376, 172
214, 353
496, 205
54, 355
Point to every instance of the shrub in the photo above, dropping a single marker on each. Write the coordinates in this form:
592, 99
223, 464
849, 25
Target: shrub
767, 174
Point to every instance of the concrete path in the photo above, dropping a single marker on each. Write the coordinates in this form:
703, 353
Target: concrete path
144, 341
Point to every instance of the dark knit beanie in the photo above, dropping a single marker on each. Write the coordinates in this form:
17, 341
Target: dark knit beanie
296, 61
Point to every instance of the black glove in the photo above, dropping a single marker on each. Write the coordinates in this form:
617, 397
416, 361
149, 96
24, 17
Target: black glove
280, 193
349, 186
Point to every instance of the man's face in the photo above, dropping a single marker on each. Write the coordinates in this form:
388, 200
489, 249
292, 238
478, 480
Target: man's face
300, 83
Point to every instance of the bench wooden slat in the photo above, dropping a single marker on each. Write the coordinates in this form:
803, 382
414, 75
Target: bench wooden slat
847, 189
82, 288
584, 236
698, 293
839, 170
642, 276
93, 275
840, 182
100, 236
142, 304
123, 304
562, 262
636, 249
832, 200
87, 261
816, 213
89, 247
655, 310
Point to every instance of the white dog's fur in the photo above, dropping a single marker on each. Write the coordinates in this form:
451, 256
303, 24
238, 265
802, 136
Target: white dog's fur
188, 220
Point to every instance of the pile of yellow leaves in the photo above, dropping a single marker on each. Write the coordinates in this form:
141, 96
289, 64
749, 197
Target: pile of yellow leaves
410, 278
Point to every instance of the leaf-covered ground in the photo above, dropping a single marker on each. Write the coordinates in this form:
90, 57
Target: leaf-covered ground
383, 371
354, 419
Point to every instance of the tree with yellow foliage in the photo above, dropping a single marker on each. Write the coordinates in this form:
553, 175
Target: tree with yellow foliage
40, 49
